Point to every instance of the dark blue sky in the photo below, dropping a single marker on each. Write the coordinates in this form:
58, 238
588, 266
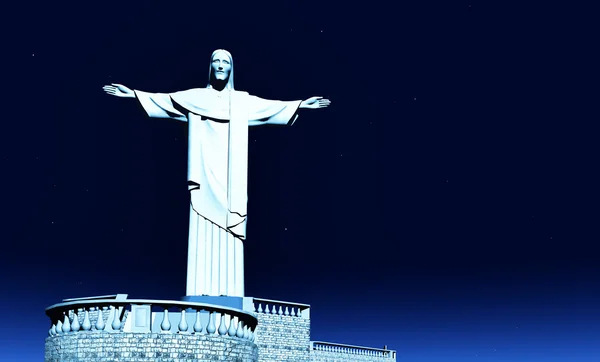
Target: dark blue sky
446, 204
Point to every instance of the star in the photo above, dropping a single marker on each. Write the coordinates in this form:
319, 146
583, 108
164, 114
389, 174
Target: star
285, 229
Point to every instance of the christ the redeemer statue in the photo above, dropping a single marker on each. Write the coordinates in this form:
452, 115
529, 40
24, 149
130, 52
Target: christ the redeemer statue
218, 118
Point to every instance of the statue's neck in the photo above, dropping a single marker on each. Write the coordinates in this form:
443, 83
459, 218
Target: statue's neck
218, 85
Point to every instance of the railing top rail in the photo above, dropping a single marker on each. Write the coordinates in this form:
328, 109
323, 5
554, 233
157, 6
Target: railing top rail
114, 296
159, 302
351, 346
281, 302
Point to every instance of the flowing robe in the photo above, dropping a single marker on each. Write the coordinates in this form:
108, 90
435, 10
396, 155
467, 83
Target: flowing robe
217, 176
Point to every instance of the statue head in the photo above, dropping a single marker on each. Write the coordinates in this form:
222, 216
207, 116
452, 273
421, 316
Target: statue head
220, 72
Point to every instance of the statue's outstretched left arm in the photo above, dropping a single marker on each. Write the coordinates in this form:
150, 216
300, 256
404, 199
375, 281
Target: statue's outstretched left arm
264, 111
315, 103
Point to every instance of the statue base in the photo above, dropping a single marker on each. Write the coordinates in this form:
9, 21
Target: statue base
244, 303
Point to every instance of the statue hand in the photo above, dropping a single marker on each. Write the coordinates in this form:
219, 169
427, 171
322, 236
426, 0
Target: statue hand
315, 102
119, 90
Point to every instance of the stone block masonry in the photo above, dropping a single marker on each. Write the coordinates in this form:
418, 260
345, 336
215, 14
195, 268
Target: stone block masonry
283, 338
150, 347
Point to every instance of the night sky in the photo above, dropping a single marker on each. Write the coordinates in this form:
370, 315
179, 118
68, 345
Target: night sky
445, 204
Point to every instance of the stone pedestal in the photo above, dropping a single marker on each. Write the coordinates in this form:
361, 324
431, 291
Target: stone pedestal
147, 347
114, 328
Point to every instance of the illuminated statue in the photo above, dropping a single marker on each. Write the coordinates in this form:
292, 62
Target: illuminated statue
218, 117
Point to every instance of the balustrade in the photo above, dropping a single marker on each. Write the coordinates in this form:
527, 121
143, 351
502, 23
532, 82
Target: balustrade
115, 316
276, 307
327, 347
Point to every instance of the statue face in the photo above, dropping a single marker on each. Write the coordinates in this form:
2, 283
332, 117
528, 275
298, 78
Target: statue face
221, 66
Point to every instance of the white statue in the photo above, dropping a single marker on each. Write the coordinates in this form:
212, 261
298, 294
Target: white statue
218, 118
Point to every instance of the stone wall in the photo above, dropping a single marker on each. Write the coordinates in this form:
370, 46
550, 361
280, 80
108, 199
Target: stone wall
283, 338
96, 346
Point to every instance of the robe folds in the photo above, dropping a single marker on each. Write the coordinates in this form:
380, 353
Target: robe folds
218, 145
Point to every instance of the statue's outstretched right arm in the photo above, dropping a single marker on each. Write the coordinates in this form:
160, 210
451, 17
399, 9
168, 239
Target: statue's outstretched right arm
119, 90
156, 105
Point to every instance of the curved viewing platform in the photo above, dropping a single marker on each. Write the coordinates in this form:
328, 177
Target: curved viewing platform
347, 349
114, 314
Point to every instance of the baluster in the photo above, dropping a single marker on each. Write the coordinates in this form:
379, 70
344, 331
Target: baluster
165, 326
75, 326
232, 329
183, 326
250, 335
246, 333
100, 322
211, 328
66, 325
286, 311
267, 311
87, 325
260, 310
59, 330
240, 329
222, 329
198, 324
50, 331
116, 323
280, 311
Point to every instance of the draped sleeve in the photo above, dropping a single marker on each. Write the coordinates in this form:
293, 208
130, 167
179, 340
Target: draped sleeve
159, 105
263, 111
